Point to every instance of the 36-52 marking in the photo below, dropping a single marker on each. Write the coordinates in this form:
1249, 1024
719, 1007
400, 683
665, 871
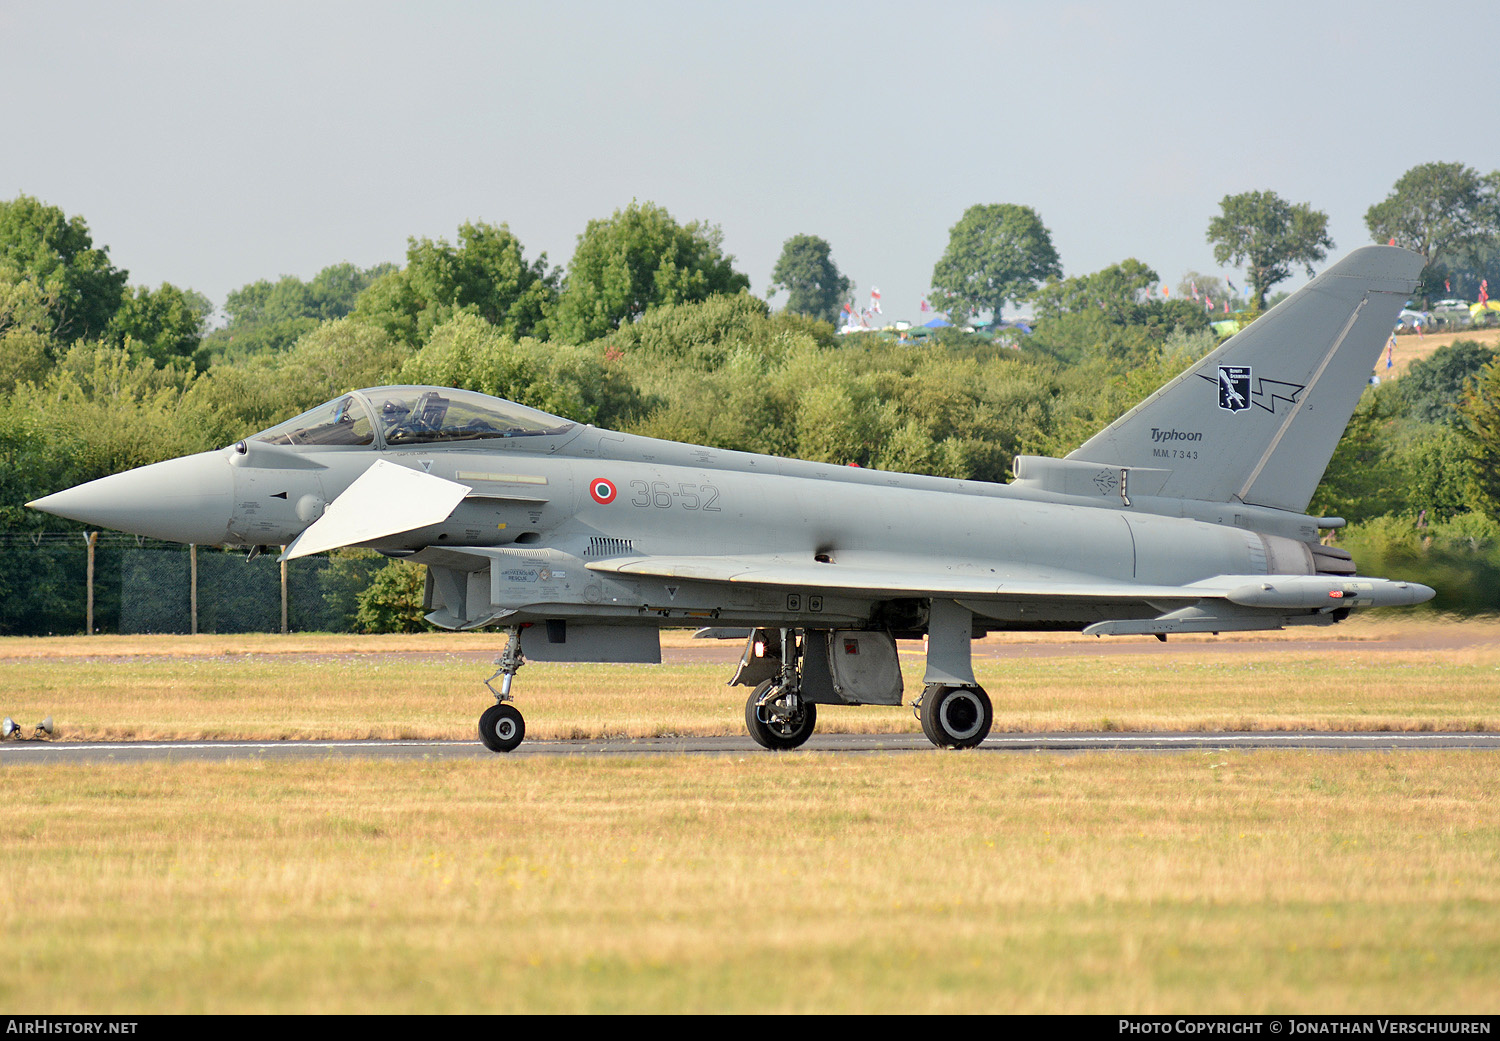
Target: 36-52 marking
662, 496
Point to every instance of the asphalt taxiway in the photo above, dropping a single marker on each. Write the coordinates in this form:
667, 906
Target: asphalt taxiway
63, 752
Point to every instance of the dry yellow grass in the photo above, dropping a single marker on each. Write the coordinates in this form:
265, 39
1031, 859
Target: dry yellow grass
1362, 628
111, 645
1410, 347
431, 686
934, 882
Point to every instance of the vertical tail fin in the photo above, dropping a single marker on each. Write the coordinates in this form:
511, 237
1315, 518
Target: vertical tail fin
1257, 420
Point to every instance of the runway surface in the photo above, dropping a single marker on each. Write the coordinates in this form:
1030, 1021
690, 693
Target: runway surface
39, 752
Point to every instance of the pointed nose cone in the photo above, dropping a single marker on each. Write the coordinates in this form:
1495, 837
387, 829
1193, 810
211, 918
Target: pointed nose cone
181, 500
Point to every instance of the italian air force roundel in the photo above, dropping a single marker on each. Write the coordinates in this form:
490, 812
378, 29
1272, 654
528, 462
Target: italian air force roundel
603, 490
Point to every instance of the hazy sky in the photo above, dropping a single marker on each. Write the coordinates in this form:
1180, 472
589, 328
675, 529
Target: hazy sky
213, 144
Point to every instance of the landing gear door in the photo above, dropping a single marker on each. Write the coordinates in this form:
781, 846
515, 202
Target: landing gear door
761, 659
865, 668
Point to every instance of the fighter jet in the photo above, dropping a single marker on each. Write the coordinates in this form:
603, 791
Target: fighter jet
1186, 515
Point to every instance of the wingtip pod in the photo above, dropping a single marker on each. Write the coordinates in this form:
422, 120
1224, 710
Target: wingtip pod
1314, 591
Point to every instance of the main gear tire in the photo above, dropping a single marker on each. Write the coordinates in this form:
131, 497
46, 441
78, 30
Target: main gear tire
775, 729
956, 717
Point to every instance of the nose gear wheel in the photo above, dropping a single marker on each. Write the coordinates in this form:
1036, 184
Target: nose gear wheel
501, 728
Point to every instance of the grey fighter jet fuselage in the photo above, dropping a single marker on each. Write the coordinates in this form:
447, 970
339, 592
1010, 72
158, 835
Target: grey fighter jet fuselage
1186, 515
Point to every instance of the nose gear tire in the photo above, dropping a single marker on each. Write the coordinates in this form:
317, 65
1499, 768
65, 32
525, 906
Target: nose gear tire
501, 728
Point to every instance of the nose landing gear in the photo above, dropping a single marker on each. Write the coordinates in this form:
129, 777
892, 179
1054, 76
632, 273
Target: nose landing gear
501, 726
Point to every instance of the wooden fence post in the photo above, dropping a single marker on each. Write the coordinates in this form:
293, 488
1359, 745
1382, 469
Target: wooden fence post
88, 626
193, 587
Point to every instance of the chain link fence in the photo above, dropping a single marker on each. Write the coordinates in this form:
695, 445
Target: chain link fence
134, 585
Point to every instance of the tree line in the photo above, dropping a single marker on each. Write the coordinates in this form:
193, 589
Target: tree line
652, 330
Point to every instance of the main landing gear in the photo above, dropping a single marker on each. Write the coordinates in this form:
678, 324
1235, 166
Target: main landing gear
778, 719
776, 714
501, 726
954, 710
954, 717
826, 667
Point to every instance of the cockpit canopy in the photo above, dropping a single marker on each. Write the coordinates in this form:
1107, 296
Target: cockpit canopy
397, 416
